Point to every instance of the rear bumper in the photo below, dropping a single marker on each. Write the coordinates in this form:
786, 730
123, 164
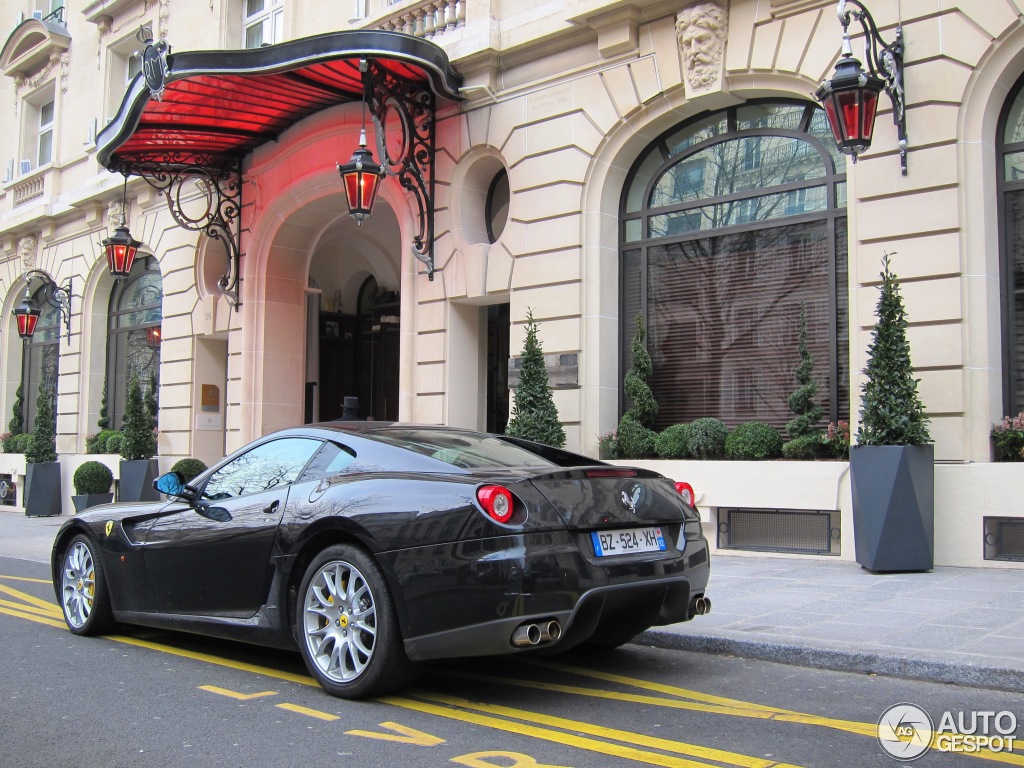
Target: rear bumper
468, 599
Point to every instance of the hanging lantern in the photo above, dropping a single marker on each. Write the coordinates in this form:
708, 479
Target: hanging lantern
153, 336
850, 100
121, 249
361, 178
27, 316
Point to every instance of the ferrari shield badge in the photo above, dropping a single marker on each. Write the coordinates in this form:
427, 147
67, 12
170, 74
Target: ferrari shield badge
109, 527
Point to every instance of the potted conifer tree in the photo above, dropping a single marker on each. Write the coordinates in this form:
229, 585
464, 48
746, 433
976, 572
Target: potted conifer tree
42, 470
892, 468
635, 435
138, 468
534, 414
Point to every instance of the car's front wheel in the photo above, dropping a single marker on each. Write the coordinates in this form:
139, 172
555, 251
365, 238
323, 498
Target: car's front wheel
348, 628
83, 589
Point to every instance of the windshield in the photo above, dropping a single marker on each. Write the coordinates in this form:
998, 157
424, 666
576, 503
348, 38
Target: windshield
467, 450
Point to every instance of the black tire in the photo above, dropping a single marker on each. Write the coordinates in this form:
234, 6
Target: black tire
347, 627
84, 598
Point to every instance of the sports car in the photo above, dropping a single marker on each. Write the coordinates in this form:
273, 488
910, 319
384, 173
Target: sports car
372, 547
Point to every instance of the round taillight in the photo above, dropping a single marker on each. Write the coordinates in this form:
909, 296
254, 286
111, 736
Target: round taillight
686, 491
496, 501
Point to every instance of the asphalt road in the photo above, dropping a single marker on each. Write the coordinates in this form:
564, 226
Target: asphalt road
163, 700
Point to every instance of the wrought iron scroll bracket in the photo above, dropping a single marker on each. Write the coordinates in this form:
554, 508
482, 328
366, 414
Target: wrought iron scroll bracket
214, 211
57, 296
406, 109
885, 61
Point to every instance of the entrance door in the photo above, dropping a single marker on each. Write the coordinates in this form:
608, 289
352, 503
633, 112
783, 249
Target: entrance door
498, 327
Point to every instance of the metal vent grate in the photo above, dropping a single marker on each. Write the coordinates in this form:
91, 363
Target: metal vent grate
8, 491
779, 530
1004, 538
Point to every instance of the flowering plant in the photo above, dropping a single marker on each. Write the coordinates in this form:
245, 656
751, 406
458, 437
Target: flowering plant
609, 445
837, 439
4, 437
1008, 437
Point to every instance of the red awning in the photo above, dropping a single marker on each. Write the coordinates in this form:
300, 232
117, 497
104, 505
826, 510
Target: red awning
218, 106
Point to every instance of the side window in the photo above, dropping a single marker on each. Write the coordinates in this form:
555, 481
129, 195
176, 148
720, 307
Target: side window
266, 466
330, 460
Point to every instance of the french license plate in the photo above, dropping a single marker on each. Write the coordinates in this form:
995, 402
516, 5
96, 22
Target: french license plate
627, 540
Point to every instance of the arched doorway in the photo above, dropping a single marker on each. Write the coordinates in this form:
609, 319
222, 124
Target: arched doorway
354, 317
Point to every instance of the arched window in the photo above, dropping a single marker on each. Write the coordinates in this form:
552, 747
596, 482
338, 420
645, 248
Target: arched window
39, 363
133, 335
728, 223
1011, 153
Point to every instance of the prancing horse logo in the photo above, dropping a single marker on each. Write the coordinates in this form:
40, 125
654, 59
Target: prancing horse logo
630, 500
109, 527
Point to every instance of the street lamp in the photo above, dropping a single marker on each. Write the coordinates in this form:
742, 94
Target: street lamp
121, 247
850, 97
361, 175
59, 296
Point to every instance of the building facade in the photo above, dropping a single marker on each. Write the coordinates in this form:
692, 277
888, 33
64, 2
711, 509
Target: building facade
600, 159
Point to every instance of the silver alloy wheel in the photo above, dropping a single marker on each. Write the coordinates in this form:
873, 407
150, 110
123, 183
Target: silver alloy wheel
340, 621
78, 584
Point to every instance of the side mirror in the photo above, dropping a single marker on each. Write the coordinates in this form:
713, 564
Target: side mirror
172, 484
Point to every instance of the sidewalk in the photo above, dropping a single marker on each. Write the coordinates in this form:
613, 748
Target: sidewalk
951, 625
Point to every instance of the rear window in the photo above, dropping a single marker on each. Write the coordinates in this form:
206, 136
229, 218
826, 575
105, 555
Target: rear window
466, 450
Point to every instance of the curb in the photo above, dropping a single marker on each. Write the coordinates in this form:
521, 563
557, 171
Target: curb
952, 672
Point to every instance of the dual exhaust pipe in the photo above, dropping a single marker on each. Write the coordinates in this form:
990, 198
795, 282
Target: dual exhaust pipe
535, 633
700, 606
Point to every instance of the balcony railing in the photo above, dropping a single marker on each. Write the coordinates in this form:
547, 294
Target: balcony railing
424, 19
27, 190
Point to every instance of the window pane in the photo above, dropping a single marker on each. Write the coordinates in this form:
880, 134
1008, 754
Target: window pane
763, 208
820, 130
695, 133
252, 7
46, 114
785, 116
254, 35
631, 232
1013, 166
45, 148
730, 167
635, 198
1014, 130
723, 320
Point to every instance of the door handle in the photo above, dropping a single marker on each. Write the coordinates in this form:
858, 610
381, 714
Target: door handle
271, 507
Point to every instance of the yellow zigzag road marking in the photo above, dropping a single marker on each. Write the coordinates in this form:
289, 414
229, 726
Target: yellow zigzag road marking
41, 610
26, 578
545, 734
38, 602
408, 735
30, 617
776, 715
667, 745
49, 613
236, 694
307, 711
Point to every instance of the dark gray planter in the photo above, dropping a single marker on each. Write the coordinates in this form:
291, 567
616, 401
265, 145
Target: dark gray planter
894, 506
42, 489
86, 500
136, 481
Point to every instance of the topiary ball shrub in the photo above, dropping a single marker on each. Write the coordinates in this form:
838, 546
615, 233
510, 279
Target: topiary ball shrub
707, 439
189, 468
115, 443
93, 477
672, 443
753, 441
19, 443
804, 448
635, 440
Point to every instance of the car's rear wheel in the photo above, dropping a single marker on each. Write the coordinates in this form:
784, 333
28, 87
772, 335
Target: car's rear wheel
83, 589
347, 626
